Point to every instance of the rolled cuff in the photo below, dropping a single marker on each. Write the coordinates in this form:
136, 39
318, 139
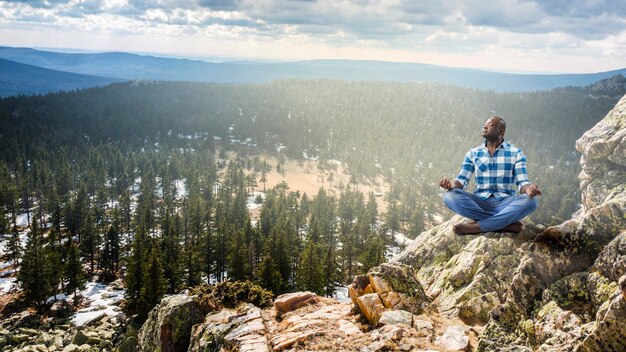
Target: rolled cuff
463, 182
522, 184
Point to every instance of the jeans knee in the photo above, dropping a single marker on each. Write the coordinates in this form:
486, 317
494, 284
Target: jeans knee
449, 198
531, 203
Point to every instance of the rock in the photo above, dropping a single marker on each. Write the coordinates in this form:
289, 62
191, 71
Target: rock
376, 346
28, 331
61, 309
371, 307
360, 286
454, 339
349, 328
19, 338
168, 326
231, 330
422, 325
611, 262
609, 332
394, 317
401, 279
292, 301
476, 309
391, 332
284, 341
128, 345
250, 332
622, 285
81, 338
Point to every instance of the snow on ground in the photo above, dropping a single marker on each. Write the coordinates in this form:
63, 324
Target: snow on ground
341, 294
102, 300
401, 239
181, 188
401, 242
392, 251
251, 202
5, 241
7, 284
22, 219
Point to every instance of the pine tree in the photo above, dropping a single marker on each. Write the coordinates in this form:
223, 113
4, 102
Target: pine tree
14, 247
238, 255
110, 257
74, 273
374, 252
33, 274
153, 285
268, 275
136, 271
310, 273
170, 248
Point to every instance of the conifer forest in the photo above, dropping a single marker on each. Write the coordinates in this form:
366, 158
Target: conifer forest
151, 181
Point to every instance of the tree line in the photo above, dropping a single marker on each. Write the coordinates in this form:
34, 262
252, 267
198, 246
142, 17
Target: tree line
166, 220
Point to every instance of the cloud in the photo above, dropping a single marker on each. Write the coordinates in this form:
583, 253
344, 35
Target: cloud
574, 27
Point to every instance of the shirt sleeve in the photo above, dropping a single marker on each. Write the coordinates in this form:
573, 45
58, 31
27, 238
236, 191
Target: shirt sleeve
467, 169
519, 171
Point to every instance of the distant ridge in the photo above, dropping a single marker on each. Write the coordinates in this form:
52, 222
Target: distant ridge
132, 66
18, 78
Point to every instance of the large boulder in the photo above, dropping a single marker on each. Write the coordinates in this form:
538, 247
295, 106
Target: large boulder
388, 286
234, 330
291, 301
169, 324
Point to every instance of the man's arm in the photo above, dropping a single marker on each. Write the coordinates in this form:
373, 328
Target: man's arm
531, 189
521, 177
461, 181
447, 184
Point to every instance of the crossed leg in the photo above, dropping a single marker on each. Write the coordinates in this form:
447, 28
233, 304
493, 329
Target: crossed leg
497, 215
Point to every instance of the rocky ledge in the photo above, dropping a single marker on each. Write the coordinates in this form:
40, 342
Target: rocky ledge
562, 288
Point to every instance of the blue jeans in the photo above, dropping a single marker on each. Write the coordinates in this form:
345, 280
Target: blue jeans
491, 214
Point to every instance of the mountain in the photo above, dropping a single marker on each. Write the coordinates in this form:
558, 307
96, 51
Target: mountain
132, 66
18, 78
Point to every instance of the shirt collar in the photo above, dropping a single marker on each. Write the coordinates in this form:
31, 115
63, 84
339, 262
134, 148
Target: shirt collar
502, 145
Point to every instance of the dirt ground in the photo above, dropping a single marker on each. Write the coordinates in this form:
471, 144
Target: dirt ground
304, 176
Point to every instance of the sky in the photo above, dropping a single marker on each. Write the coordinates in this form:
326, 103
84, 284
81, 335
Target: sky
505, 35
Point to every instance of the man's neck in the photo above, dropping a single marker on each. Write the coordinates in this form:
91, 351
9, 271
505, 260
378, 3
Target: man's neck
492, 145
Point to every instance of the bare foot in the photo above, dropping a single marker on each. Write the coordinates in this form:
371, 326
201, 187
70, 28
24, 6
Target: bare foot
464, 229
515, 227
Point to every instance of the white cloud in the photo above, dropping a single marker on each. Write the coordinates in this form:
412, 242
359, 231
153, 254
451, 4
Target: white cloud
457, 32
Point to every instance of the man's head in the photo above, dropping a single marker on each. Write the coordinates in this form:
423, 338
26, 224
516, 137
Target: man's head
494, 129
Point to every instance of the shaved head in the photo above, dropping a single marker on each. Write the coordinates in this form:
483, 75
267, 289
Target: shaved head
501, 123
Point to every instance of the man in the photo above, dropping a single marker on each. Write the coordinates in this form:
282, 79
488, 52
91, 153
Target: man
498, 166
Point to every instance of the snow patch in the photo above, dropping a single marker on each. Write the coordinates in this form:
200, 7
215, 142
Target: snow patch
341, 294
7, 284
102, 299
251, 202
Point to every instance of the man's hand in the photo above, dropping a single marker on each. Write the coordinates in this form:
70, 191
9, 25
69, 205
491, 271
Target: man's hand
531, 190
447, 184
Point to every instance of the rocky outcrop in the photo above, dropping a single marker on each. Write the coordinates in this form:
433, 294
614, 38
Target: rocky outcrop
168, 326
569, 273
241, 330
388, 286
22, 336
562, 288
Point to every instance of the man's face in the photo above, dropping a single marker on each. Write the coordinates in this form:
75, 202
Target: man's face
491, 129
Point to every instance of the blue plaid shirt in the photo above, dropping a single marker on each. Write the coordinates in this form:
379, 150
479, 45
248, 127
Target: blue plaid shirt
495, 175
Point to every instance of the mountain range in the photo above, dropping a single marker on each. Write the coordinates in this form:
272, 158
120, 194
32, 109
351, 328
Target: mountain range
99, 68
